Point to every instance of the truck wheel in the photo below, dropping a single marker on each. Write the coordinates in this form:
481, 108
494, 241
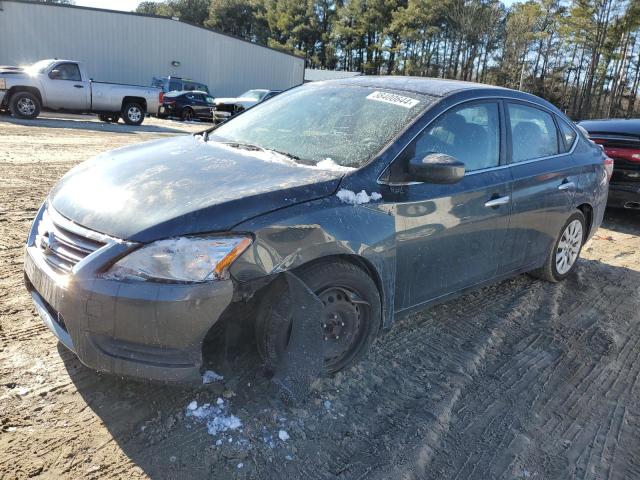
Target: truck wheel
350, 322
133, 113
187, 114
24, 105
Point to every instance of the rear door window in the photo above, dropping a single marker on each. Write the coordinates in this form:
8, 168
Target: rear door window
533, 133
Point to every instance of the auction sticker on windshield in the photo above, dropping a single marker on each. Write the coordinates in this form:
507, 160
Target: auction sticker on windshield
394, 99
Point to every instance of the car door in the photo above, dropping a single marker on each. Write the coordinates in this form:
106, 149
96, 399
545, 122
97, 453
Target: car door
66, 88
544, 182
200, 105
449, 237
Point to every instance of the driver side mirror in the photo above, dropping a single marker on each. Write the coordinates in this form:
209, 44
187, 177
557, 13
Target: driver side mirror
55, 74
436, 168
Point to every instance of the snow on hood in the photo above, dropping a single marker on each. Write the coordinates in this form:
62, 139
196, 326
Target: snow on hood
183, 185
235, 100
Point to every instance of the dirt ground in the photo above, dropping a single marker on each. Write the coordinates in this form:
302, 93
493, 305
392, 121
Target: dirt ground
524, 379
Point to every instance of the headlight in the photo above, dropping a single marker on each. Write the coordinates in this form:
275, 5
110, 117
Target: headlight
183, 259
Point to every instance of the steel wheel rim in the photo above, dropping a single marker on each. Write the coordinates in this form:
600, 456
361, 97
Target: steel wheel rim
134, 114
568, 247
26, 106
188, 115
343, 321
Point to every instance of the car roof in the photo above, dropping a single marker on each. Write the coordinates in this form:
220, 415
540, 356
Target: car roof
436, 87
629, 126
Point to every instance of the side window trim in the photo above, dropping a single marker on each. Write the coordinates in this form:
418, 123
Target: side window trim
58, 65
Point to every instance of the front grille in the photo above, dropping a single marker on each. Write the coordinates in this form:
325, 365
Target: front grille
61, 247
226, 107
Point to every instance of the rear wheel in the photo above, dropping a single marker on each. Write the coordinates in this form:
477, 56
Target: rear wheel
24, 105
562, 258
133, 113
350, 320
187, 114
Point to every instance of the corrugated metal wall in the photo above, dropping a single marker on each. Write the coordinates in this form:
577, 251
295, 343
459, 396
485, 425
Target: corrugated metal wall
120, 47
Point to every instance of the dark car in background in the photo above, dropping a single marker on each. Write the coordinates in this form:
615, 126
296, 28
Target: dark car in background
620, 139
379, 195
172, 84
226, 108
187, 106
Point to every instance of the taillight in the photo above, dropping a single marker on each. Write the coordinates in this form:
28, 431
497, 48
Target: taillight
161, 96
628, 154
608, 167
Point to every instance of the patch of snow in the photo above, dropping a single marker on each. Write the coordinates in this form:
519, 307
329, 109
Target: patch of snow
217, 417
240, 465
352, 198
210, 376
282, 435
327, 404
288, 457
219, 442
329, 164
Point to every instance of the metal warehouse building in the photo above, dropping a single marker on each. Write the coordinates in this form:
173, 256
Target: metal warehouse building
132, 48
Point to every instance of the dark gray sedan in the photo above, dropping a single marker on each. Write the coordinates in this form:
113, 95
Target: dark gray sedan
380, 195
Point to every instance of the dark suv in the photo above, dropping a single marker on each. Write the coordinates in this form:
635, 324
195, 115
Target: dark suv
173, 84
187, 105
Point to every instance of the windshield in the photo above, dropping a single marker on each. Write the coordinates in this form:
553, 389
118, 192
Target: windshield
346, 124
254, 94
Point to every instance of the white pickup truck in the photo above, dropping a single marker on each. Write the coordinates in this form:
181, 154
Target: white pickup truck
64, 85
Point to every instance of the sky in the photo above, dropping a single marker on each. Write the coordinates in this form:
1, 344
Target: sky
129, 5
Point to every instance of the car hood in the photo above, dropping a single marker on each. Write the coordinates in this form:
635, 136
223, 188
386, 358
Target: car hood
235, 100
182, 186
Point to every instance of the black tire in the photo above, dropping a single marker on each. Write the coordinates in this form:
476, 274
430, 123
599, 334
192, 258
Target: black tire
187, 114
24, 105
133, 113
272, 334
549, 271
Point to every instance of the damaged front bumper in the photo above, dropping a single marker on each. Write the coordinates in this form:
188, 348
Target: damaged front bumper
139, 329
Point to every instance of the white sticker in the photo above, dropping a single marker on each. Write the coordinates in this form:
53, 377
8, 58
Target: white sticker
394, 99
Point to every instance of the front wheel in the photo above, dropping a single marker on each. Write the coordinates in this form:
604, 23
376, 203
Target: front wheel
350, 320
562, 259
24, 105
133, 113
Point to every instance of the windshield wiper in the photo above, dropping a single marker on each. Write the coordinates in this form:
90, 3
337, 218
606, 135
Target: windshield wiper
251, 146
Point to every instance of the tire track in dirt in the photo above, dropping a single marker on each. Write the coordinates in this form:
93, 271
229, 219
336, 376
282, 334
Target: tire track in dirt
579, 375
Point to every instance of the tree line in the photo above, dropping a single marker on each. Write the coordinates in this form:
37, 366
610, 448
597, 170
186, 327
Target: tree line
582, 55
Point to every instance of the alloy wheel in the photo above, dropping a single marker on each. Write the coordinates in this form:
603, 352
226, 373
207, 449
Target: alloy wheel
134, 113
26, 106
569, 247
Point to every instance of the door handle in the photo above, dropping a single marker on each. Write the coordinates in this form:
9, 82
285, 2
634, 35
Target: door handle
566, 186
79, 86
496, 202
